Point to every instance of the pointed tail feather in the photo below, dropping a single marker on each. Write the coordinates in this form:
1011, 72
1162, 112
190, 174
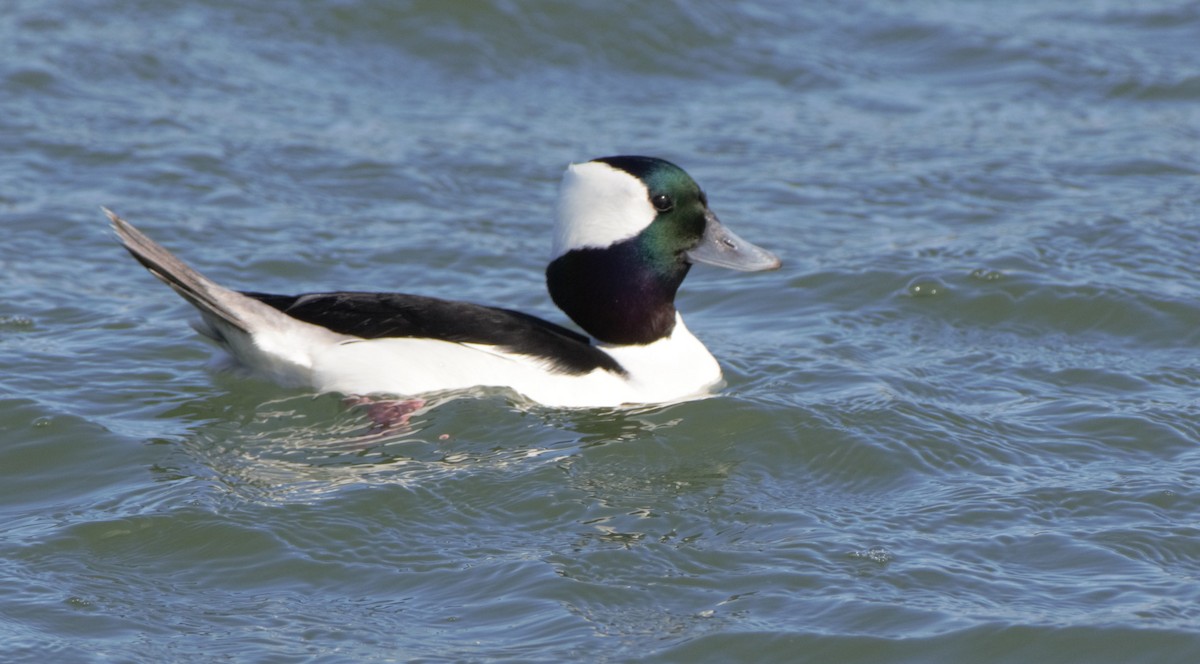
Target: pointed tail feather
203, 293
261, 338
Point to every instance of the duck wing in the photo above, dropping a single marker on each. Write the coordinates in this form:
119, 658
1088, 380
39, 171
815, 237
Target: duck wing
382, 315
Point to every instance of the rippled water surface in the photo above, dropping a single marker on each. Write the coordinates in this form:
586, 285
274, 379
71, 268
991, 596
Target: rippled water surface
961, 424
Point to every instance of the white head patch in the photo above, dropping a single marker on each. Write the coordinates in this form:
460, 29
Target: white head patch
599, 205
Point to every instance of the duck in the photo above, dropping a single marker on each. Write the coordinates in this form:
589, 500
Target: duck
628, 230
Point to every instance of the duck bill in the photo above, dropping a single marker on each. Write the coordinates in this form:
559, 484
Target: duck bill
721, 247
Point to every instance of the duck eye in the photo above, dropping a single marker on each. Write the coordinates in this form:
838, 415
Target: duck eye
662, 202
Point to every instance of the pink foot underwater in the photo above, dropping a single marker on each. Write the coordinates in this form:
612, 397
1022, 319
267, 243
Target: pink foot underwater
386, 414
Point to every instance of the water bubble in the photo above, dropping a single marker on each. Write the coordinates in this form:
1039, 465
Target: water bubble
875, 554
926, 287
16, 322
79, 603
984, 274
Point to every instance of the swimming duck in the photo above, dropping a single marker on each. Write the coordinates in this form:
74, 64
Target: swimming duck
628, 230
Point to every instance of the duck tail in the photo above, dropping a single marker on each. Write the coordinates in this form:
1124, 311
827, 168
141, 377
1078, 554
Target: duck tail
220, 306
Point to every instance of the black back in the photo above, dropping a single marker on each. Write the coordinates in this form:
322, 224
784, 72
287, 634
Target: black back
382, 315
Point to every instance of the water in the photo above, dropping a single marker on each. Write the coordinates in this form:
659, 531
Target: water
961, 423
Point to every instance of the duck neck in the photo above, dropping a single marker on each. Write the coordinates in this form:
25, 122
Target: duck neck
615, 294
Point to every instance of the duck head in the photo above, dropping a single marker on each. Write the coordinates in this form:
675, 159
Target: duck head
628, 230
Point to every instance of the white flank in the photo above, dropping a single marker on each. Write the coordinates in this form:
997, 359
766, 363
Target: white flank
676, 368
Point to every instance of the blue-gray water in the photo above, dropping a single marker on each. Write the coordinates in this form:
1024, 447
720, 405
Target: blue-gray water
962, 423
